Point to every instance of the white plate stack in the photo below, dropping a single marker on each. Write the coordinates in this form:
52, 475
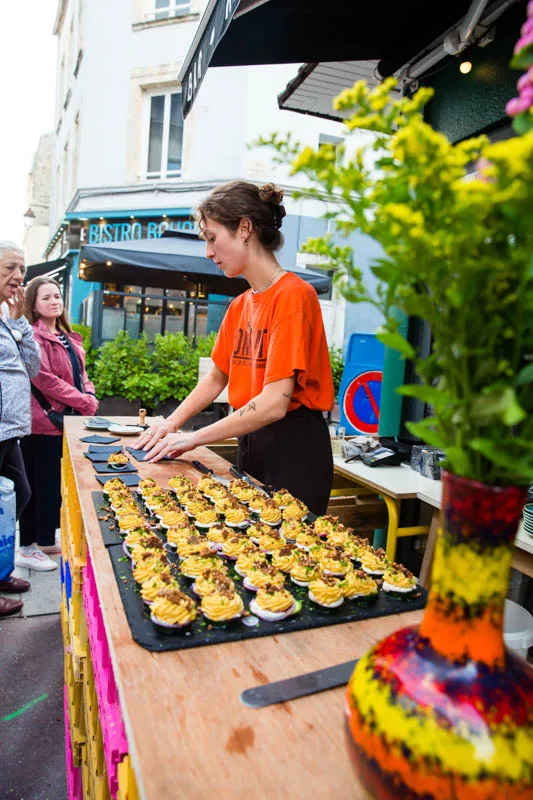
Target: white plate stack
527, 519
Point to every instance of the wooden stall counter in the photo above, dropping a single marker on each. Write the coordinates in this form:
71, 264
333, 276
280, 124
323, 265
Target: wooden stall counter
186, 732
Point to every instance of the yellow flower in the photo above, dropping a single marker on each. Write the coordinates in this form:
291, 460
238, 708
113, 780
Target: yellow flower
303, 160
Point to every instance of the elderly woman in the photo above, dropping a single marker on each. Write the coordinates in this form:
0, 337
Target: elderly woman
20, 360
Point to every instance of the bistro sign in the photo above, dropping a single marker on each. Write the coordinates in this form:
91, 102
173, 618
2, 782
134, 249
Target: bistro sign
127, 231
193, 75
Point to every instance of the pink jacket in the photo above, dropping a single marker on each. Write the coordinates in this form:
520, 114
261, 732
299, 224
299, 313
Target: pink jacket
56, 382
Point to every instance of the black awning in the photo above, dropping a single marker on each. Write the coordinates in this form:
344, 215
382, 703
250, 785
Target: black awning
292, 31
44, 268
175, 262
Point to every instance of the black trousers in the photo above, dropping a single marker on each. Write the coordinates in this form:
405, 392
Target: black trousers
293, 453
42, 456
12, 467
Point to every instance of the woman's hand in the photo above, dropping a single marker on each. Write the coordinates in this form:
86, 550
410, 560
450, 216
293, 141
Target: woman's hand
16, 304
174, 445
152, 435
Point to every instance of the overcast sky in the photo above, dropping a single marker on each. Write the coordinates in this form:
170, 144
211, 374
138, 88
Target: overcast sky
27, 92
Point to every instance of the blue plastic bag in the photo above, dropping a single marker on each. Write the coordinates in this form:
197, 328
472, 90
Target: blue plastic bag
8, 523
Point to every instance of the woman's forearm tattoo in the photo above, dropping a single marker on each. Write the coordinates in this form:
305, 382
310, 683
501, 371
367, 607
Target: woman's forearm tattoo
249, 407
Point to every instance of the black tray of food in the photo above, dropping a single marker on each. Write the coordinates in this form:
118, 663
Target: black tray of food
201, 632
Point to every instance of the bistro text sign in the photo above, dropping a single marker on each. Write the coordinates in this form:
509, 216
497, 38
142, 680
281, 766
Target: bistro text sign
215, 29
126, 231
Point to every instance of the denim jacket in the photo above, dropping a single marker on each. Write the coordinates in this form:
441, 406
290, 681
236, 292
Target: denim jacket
19, 362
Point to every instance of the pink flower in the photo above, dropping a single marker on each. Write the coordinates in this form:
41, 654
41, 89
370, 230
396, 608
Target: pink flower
524, 41
527, 27
527, 95
524, 82
516, 106
530, 8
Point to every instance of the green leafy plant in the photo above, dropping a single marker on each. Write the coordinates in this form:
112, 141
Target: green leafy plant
337, 366
118, 362
132, 369
457, 253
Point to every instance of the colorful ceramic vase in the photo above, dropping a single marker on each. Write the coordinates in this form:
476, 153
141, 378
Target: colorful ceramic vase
444, 711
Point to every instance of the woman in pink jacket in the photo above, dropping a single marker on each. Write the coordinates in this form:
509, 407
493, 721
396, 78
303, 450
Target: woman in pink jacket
63, 385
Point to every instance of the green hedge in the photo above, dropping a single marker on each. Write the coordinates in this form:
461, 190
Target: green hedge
133, 369
168, 370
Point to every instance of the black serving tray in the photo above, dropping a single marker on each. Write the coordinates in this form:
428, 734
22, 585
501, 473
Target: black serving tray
201, 633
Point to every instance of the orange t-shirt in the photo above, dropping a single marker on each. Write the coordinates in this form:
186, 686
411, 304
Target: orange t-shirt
273, 335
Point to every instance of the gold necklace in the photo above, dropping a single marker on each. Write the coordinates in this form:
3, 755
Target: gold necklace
269, 282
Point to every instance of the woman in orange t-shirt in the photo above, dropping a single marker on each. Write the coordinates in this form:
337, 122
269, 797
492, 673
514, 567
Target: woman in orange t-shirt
271, 350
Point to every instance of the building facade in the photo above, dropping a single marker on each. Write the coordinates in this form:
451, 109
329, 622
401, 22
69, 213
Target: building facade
37, 217
125, 165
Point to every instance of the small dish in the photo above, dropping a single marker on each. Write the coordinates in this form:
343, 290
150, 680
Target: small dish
96, 426
125, 430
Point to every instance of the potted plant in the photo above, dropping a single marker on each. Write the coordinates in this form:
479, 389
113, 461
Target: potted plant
444, 710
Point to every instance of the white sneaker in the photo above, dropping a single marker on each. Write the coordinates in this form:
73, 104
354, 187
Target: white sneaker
34, 559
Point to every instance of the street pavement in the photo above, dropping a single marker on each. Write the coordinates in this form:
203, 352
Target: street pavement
32, 732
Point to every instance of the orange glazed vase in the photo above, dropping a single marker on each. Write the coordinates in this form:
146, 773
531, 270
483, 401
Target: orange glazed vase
444, 710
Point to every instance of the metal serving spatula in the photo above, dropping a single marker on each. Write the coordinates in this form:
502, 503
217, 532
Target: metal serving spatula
300, 686
206, 471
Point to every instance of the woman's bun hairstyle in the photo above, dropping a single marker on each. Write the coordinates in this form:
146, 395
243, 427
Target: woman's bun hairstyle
230, 203
273, 196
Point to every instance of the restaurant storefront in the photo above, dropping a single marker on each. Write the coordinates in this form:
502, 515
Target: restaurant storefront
110, 306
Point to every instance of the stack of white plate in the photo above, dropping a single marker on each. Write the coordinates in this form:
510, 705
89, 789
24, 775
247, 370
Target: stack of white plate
528, 519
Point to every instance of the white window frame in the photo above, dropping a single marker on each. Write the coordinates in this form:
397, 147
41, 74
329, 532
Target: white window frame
174, 8
163, 174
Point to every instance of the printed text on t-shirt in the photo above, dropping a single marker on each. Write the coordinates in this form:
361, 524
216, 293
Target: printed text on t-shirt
250, 345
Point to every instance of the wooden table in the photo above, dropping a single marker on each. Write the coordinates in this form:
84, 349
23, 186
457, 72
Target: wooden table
188, 733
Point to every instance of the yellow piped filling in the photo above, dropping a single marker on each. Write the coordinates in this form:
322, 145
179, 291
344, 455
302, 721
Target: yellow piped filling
191, 546
211, 582
234, 545
218, 534
358, 582
283, 562
271, 543
131, 521
175, 613
373, 560
261, 577
172, 518
327, 593
146, 569
206, 516
246, 561
179, 534
295, 510
198, 565
399, 578
236, 515
270, 514
276, 601
151, 587
220, 607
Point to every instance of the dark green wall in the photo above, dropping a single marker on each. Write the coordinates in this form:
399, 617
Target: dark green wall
466, 105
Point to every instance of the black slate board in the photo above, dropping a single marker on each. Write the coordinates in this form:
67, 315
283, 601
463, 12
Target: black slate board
140, 455
95, 448
151, 637
100, 439
106, 521
107, 468
129, 478
97, 458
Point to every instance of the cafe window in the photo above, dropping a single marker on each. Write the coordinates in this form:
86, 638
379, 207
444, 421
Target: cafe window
165, 136
171, 8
